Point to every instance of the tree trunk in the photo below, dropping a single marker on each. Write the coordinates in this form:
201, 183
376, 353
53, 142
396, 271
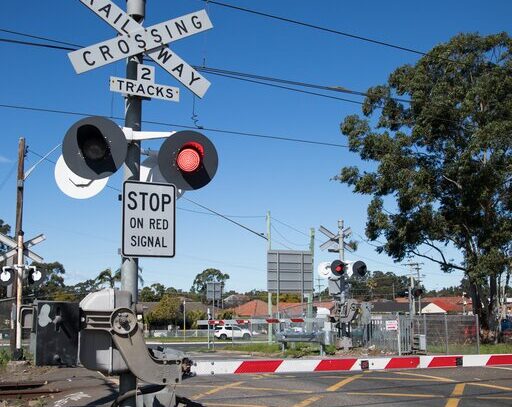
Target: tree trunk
491, 307
477, 304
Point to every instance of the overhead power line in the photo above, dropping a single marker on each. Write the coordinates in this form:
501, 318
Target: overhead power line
39, 38
286, 240
259, 80
285, 87
166, 124
289, 226
317, 27
186, 199
262, 235
218, 72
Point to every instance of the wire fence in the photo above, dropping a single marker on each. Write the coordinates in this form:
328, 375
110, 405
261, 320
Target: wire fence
426, 333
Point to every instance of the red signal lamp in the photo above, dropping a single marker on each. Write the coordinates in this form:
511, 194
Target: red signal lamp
189, 159
338, 267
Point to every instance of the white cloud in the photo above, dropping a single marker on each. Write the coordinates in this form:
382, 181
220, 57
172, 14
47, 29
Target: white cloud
4, 160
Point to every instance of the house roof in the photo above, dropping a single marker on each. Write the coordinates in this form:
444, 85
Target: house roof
258, 308
446, 305
448, 299
432, 308
389, 306
253, 308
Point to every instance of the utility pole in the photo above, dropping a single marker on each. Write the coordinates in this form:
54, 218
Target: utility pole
415, 267
412, 310
343, 283
132, 119
319, 288
17, 287
269, 294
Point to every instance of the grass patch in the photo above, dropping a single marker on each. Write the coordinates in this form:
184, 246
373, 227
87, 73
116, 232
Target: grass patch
262, 347
4, 357
469, 349
177, 339
498, 348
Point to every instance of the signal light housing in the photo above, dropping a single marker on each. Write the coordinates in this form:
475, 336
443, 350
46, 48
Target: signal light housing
188, 159
35, 276
417, 292
7, 275
338, 268
94, 148
357, 268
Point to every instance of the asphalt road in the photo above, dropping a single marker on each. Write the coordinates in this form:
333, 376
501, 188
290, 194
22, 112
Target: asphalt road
420, 387
447, 387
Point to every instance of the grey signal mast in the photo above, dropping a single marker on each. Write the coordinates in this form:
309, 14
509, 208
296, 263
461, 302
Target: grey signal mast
134, 41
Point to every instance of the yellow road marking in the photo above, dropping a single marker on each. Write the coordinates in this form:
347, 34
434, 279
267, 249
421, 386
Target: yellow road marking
216, 390
457, 392
308, 401
437, 378
491, 386
263, 376
389, 378
274, 389
425, 396
343, 382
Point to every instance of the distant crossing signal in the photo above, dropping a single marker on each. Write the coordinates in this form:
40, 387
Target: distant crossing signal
417, 292
338, 268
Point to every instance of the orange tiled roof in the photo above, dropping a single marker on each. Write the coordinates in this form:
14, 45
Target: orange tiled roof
254, 308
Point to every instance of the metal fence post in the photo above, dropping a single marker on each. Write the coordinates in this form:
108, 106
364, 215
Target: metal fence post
477, 333
446, 332
425, 330
399, 336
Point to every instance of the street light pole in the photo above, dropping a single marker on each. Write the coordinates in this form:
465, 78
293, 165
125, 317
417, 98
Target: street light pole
184, 320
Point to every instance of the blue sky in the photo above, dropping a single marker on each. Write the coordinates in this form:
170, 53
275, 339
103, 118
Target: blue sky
255, 175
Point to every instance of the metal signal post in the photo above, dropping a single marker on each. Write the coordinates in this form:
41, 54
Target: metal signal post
132, 119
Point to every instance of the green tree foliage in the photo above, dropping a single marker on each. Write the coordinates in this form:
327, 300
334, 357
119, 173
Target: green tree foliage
207, 276
155, 292
378, 285
166, 312
444, 158
257, 295
147, 295
194, 316
80, 290
52, 284
108, 278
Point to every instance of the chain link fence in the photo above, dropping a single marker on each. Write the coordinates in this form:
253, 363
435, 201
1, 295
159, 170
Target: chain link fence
432, 334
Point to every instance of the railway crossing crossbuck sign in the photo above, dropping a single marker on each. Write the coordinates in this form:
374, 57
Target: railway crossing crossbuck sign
135, 39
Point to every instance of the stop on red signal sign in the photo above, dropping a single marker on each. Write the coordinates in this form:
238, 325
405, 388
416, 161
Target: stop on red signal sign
149, 213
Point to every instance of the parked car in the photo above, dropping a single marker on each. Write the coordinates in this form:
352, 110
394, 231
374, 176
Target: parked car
225, 332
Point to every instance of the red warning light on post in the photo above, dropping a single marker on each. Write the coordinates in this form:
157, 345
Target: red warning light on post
189, 158
337, 267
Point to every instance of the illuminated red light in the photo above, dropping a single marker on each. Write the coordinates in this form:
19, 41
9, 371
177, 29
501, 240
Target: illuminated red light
339, 268
188, 159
